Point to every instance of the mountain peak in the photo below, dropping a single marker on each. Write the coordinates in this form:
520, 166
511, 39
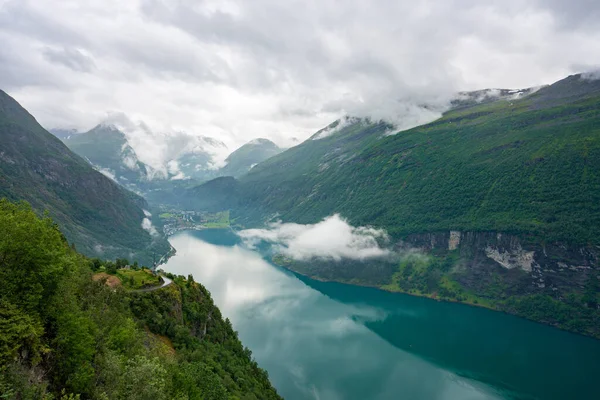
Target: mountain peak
261, 142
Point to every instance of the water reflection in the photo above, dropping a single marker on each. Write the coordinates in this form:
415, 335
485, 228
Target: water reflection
313, 346
525, 359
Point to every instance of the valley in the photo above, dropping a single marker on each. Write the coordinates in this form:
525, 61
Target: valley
309, 200
493, 205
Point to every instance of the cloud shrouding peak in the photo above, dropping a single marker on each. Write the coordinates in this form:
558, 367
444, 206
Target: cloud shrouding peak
161, 149
237, 70
332, 238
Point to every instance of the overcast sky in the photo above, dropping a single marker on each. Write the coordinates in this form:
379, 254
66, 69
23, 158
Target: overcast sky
237, 70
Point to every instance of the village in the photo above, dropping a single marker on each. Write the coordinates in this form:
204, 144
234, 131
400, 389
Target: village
177, 220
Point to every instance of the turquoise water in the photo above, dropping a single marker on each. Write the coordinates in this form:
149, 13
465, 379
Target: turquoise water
323, 340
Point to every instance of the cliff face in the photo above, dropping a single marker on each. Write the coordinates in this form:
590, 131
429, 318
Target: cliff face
525, 265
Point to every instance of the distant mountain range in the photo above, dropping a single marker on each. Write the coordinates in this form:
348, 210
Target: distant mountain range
98, 216
107, 149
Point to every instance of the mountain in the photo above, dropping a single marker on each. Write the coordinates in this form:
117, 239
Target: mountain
517, 165
107, 149
94, 213
197, 162
501, 196
466, 99
243, 159
74, 327
63, 134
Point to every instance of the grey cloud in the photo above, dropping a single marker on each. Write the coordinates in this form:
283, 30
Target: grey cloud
236, 70
70, 58
574, 13
20, 16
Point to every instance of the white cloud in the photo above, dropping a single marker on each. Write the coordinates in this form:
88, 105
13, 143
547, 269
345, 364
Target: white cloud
330, 130
159, 149
109, 173
333, 238
148, 227
591, 75
236, 70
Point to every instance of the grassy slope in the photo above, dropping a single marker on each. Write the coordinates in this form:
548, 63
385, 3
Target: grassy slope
531, 165
91, 209
240, 161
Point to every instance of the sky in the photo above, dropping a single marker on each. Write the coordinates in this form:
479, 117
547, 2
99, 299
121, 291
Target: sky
279, 69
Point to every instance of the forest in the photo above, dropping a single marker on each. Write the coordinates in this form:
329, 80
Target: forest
65, 333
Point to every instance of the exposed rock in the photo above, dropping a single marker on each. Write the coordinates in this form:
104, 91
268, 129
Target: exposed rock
454, 240
513, 258
521, 264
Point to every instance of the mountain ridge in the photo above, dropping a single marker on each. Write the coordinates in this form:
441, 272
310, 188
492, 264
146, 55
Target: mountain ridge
97, 215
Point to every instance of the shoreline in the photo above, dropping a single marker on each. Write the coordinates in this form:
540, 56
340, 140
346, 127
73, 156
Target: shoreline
383, 289
422, 295
470, 304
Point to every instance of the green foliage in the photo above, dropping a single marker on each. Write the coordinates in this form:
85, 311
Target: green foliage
572, 314
19, 331
219, 220
241, 160
185, 313
137, 279
65, 336
503, 167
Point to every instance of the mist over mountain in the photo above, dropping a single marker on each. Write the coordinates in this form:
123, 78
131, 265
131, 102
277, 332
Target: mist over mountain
95, 214
246, 157
337, 173
63, 134
506, 178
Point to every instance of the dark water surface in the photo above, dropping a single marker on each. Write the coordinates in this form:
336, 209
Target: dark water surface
324, 341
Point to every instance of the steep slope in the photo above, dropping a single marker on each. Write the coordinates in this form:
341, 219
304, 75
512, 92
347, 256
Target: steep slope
70, 330
94, 213
528, 165
243, 159
107, 149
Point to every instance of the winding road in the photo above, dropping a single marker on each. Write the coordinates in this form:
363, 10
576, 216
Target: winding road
166, 282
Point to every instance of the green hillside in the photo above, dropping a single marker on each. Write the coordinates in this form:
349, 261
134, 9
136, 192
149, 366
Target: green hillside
97, 215
67, 333
530, 165
246, 157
